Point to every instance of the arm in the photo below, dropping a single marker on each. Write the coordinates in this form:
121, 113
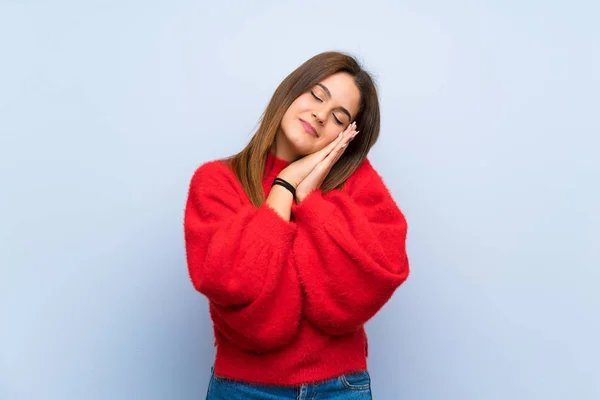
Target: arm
238, 257
350, 251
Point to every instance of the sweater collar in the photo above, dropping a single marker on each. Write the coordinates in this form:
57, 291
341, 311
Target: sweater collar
274, 165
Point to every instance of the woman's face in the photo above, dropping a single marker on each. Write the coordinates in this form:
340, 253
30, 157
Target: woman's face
328, 107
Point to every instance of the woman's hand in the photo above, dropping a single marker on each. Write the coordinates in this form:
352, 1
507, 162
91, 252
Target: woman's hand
318, 174
298, 170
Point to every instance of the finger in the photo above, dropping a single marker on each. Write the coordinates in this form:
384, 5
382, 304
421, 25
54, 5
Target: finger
336, 153
329, 161
340, 143
331, 146
317, 157
342, 135
343, 145
350, 129
350, 134
325, 151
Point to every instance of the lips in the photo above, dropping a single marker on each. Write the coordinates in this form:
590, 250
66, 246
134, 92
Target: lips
309, 128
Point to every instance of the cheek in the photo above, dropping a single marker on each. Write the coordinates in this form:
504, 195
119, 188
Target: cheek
332, 133
299, 105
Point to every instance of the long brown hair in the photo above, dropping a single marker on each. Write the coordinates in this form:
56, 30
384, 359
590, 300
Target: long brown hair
249, 164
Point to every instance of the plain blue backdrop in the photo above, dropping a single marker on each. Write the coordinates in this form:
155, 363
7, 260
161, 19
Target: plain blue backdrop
489, 143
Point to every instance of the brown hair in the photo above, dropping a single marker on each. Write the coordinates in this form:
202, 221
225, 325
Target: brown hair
249, 164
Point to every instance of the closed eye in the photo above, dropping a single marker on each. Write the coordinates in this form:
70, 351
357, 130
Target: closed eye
336, 120
311, 92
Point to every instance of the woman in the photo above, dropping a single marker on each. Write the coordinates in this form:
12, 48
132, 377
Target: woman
296, 241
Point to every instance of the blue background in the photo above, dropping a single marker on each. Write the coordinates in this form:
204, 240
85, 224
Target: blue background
489, 143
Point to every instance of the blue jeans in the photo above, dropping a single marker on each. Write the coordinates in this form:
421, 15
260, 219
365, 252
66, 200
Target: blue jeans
352, 386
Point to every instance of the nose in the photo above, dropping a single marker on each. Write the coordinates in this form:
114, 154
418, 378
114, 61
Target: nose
319, 115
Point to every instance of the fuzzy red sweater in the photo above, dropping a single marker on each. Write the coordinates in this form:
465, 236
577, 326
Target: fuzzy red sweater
289, 300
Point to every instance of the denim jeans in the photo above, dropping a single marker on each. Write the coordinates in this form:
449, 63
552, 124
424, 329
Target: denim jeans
351, 386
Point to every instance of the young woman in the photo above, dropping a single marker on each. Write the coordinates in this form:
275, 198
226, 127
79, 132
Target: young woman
296, 241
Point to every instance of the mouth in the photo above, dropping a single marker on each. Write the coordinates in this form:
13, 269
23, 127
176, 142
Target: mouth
309, 128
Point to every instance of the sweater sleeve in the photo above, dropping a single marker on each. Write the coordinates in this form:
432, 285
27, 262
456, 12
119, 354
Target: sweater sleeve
350, 252
238, 257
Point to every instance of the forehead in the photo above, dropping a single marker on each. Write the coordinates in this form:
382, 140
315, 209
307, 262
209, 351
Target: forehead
343, 91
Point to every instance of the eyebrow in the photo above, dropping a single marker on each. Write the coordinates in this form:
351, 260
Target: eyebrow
329, 95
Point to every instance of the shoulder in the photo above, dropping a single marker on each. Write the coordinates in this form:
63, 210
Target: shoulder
213, 175
368, 189
367, 186
212, 170
364, 175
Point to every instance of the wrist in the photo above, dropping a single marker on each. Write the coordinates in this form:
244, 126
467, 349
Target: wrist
300, 196
285, 184
288, 180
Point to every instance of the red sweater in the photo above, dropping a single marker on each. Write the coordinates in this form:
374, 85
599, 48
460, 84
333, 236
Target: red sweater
289, 300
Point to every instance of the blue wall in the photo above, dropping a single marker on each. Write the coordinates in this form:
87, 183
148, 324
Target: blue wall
489, 143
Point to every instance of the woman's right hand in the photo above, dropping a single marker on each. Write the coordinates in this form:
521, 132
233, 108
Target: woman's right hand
301, 168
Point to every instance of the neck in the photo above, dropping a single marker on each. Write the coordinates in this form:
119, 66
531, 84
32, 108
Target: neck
282, 148
274, 165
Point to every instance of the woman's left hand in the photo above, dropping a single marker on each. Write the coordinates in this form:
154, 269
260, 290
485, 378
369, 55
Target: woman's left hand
319, 173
